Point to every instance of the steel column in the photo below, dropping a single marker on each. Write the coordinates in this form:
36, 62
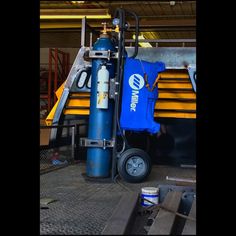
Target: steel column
49, 78
55, 75
83, 32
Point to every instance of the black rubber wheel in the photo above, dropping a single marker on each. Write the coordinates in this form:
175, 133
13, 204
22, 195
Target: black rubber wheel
134, 165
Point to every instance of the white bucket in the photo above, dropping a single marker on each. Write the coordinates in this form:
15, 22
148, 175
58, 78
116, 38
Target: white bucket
151, 194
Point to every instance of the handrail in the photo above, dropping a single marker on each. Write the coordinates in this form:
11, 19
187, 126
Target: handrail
60, 126
162, 40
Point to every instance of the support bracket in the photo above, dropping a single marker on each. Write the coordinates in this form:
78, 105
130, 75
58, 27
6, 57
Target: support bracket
103, 54
103, 143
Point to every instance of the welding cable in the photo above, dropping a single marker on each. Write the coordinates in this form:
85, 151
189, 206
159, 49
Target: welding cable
121, 61
136, 32
122, 185
120, 65
120, 13
120, 69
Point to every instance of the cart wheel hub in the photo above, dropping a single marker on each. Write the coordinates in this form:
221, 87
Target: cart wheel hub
135, 166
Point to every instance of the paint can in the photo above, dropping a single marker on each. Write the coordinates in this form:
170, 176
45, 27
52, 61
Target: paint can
151, 194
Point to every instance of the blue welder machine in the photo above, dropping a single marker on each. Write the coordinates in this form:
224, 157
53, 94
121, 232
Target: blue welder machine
138, 102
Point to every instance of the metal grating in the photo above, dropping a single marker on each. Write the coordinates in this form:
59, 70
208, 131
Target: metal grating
79, 207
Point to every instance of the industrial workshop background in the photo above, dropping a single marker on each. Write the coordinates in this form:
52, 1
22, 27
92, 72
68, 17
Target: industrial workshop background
79, 37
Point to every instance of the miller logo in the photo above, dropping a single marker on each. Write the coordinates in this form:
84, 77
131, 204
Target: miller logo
136, 82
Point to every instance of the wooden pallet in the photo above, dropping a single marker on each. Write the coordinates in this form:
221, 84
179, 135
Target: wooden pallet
190, 226
166, 220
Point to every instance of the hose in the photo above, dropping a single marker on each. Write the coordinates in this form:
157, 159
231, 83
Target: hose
119, 78
120, 13
120, 65
136, 32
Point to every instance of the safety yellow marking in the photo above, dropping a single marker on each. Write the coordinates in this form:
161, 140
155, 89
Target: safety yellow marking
76, 112
60, 90
174, 75
189, 95
79, 102
161, 114
175, 105
51, 114
175, 85
80, 94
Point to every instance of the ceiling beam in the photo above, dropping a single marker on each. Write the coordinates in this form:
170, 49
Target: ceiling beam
47, 4
144, 23
144, 2
57, 14
72, 11
167, 29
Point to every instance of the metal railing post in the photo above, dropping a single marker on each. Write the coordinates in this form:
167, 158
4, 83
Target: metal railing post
73, 142
83, 32
91, 39
49, 78
55, 75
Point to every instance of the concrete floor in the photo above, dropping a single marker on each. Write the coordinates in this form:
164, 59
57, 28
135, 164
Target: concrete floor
83, 206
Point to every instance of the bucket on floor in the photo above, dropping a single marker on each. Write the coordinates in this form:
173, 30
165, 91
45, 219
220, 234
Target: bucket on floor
151, 194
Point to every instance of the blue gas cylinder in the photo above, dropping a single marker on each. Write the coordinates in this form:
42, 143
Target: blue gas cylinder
100, 120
